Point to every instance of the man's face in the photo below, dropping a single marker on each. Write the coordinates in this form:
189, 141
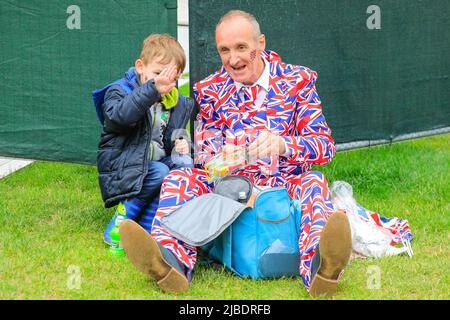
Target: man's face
239, 50
151, 70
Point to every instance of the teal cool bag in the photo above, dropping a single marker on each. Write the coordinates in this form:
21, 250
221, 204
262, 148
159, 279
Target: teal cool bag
259, 242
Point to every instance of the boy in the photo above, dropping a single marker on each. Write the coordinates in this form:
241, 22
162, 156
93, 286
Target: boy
142, 116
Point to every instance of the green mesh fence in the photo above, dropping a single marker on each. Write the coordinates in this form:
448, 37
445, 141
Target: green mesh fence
53, 54
383, 71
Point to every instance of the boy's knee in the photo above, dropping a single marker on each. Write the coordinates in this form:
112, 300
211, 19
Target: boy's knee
164, 171
158, 171
183, 161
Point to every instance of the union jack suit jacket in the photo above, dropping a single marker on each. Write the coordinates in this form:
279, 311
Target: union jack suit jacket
291, 109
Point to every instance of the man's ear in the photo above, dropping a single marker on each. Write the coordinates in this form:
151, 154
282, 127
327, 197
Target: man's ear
139, 66
262, 42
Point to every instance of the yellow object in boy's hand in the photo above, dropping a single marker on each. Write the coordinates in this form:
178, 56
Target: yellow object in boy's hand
171, 99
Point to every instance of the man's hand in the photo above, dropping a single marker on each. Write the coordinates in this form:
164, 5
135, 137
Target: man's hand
165, 81
182, 146
232, 152
265, 145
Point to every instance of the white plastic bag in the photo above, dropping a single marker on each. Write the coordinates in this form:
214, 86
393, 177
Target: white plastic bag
368, 239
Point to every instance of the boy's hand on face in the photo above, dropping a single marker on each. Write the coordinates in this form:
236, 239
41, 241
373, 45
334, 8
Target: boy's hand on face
182, 146
166, 80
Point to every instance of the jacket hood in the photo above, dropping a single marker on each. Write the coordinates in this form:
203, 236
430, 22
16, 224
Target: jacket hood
127, 83
131, 76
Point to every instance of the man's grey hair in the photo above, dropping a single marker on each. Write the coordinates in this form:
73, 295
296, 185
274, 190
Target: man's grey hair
242, 14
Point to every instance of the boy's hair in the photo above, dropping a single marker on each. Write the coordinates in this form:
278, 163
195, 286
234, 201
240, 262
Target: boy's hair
163, 48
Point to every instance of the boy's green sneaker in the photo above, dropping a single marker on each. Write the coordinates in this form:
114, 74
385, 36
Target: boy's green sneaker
129, 209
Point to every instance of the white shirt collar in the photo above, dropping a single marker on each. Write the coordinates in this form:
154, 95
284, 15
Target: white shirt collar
263, 80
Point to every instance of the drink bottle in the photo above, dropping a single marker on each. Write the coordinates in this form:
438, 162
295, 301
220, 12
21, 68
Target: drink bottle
115, 248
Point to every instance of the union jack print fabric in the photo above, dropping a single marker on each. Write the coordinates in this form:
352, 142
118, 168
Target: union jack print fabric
291, 110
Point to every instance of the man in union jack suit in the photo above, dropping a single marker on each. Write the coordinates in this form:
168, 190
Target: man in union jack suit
257, 101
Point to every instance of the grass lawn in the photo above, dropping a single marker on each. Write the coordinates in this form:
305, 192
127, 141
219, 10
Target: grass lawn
184, 89
52, 219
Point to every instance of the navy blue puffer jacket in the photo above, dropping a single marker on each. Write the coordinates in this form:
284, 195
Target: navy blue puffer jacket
123, 108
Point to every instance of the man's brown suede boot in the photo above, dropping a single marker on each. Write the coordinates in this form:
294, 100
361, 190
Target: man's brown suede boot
335, 247
151, 258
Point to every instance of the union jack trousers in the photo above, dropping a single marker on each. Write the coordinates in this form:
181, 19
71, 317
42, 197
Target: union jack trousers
291, 110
